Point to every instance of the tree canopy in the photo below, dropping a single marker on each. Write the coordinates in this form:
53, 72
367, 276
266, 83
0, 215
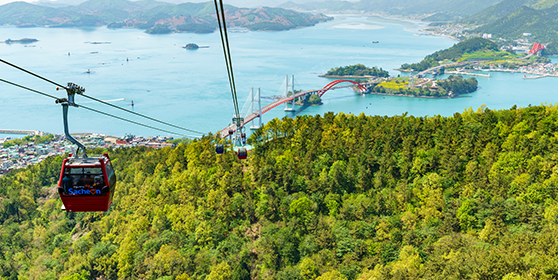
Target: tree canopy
320, 197
358, 70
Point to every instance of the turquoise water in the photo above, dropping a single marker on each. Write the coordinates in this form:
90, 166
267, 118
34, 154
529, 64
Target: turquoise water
190, 88
12, 136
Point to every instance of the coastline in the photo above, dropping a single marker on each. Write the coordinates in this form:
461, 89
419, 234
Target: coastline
346, 76
432, 33
413, 96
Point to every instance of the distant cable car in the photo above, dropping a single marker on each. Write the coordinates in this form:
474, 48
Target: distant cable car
219, 149
87, 184
242, 153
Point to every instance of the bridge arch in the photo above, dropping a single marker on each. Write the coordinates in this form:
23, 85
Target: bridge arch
334, 83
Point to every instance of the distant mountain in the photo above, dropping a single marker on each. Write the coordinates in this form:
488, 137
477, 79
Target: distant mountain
542, 24
505, 8
25, 14
186, 17
97, 6
453, 8
495, 12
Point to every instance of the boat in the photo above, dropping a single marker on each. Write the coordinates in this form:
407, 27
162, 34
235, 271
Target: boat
375, 42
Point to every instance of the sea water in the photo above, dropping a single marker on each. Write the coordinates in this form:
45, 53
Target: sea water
190, 88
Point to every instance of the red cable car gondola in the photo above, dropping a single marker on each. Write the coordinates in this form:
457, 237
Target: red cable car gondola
87, 184
242, 153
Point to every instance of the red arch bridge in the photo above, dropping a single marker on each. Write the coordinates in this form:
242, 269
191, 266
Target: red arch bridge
363, 87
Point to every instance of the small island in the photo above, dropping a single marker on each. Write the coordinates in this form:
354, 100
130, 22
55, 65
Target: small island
356, 71
192, 46
21, 41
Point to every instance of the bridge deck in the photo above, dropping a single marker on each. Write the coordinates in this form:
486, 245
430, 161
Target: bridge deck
225, 132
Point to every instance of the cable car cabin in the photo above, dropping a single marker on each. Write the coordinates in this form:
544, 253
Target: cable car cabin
242, 153
87, 184
219, 149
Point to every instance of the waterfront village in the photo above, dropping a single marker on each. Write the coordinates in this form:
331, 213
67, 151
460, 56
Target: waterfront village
524, 45
19, 156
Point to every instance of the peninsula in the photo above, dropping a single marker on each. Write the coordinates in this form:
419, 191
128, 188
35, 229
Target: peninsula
480, 54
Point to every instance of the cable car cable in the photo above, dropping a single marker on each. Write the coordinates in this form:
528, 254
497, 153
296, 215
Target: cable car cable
219, 16
92, 98
220, 13
29, 89
134, 122
132, 112
94, 110
31, 73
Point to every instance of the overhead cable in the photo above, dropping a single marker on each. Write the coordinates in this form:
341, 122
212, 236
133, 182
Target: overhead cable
220, 13
132, 112
96, 111
92, 98
31, 73
30, 89
130, 121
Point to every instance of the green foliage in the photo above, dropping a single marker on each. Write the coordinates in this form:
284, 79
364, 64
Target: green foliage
321, 197
458, 85
454, 84
196, 28
456, 53
357, 70
542, 24
159, 29
551, 48
28, 139
495, 12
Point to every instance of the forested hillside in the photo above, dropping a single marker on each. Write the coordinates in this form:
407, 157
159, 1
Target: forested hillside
158, 17
542, 24
495, 12
457, 53
471, 196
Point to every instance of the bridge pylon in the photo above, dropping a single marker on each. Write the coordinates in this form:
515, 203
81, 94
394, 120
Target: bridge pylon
287, 109
258, 112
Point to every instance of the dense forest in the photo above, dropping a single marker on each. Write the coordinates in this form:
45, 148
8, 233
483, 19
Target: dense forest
449, 87
542, 24
470, 196
357, 70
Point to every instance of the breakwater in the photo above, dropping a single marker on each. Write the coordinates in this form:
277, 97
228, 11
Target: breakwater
19, 131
